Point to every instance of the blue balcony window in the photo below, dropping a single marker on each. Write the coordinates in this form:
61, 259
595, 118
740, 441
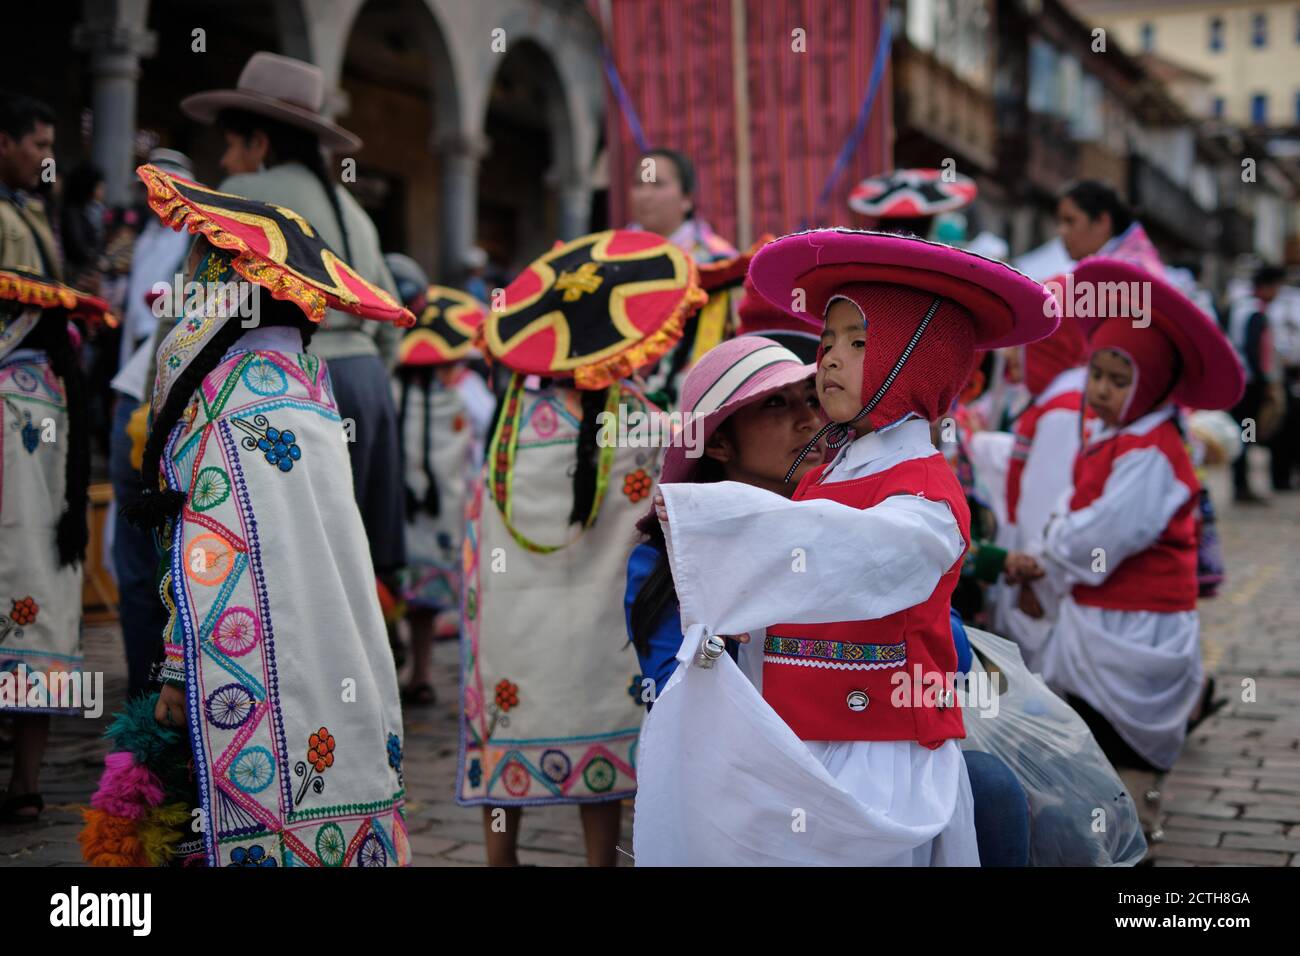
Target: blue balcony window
1259, 30
1148, 37
1218, 107
1259, 109
1216, 34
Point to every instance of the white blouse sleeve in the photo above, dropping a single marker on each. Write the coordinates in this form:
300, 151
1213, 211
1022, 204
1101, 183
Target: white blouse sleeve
1140, 497
1049, 472
744, 558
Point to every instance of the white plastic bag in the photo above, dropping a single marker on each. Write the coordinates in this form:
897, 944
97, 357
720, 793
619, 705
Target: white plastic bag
1080, 813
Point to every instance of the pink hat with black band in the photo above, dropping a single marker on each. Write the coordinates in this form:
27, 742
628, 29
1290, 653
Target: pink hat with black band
727, 377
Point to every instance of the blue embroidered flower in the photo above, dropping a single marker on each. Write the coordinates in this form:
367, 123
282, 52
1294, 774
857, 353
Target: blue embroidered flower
280, 448
394, 752
475, 772
250, 856
31, 436
634, 689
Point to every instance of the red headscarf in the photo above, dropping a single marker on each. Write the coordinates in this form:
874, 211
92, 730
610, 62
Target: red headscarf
1154, 359
937, 367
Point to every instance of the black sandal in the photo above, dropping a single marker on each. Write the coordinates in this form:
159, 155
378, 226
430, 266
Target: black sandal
419, 695
9, 809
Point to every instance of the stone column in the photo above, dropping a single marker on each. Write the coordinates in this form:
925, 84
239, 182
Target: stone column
115, 36
575, 210
459, 155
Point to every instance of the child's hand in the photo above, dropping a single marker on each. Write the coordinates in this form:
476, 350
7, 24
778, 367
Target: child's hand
170, 709
661, 509
738, 638
1029, 604
1020, 568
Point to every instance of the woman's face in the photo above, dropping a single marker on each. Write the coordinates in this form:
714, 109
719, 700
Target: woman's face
659, 205
1110, 379
1082, 235
1014, 370
839, 374
766, 436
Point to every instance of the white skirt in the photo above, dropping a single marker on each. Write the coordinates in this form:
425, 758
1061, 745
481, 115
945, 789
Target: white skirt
723, 781
1141, 670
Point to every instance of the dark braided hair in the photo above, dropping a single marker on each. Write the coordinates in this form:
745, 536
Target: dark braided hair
289, 144
50, 334
658, 593
155, 507
584, 476
421, 379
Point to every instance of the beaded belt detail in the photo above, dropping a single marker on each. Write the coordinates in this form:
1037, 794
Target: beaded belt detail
833, 654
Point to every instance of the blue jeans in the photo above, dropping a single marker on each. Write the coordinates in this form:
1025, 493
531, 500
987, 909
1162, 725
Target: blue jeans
135, 562
1001, 811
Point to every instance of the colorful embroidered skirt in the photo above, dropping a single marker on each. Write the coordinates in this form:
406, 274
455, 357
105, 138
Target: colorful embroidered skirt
40, 602
550, 684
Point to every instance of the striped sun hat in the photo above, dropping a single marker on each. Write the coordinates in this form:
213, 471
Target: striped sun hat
732, 374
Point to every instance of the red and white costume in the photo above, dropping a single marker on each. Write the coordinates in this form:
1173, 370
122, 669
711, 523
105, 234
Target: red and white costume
850, 755
1124, 553
1126, 638
1039, 481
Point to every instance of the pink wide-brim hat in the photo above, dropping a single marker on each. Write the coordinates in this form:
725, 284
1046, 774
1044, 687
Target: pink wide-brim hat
728, 376
1211, 376
1007, 307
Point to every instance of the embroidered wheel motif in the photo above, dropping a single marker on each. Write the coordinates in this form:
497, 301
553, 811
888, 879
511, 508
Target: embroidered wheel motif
330, 844
372, 852
253, 770
599, 775
556, 765
211, 488
265, 378
237, 631
229, 706
516, 778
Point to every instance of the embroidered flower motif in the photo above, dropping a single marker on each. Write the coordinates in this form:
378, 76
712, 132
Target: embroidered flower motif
31, 436
634, 689
279, 447
320, 753
507, 695
320, 757
24, 611
458, 423
475, 772
250, 856
394, 752
636, 485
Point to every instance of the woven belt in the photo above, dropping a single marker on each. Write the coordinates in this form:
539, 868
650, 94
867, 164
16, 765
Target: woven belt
836, 652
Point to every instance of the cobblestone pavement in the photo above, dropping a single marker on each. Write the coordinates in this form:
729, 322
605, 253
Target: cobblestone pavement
1233, 798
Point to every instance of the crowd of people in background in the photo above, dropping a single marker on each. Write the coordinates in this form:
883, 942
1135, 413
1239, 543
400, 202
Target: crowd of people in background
460, 445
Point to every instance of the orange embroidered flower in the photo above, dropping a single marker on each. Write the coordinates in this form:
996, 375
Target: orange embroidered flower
320, 752
24, 611
507, 695
637, 485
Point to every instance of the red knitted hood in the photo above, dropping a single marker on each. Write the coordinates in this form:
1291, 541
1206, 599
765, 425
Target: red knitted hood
938, 366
